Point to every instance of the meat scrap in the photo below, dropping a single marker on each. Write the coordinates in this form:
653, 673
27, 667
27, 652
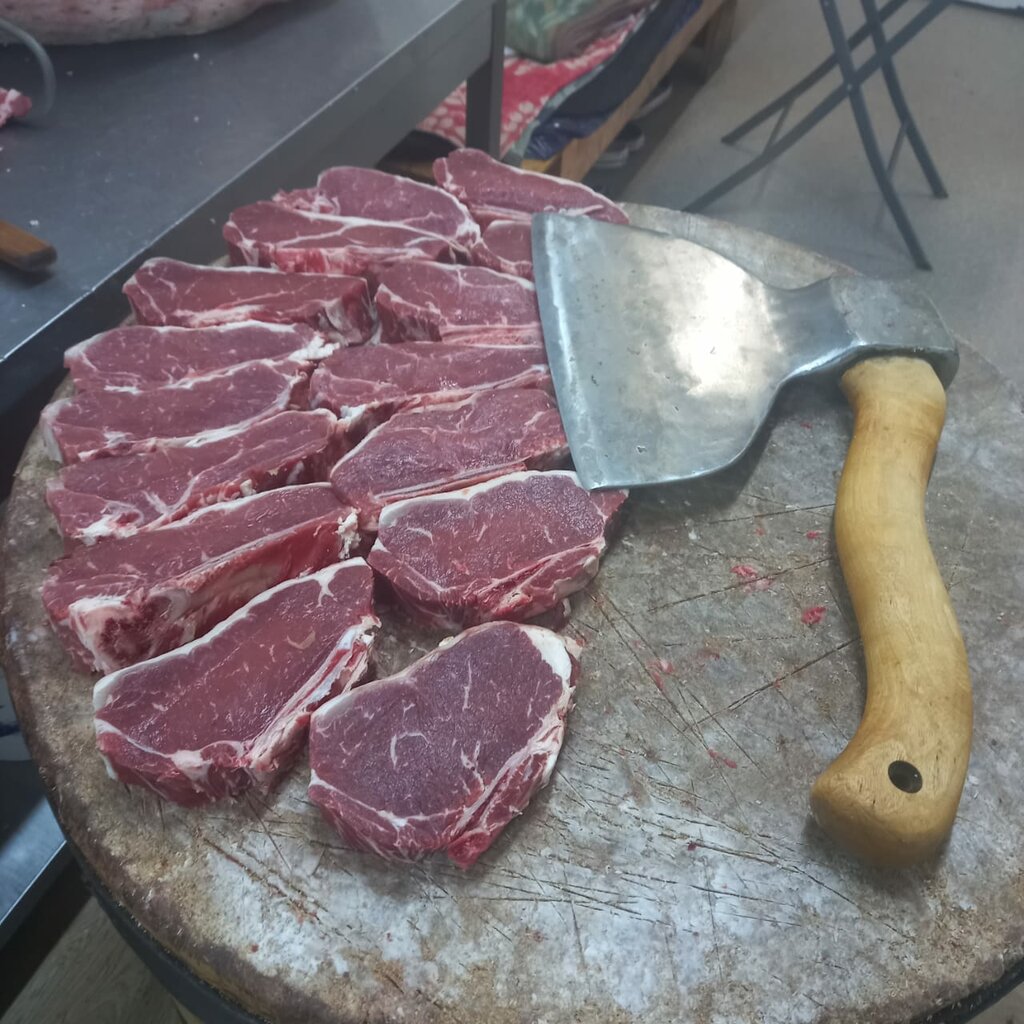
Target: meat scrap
442, 756
434, 302
143, 357
115, 421
131, 598
168, 293
13, 104
366, 385
506, 246
119, 496
511, 548
449, 445
496, 191
376, 195
271, 235
231, 710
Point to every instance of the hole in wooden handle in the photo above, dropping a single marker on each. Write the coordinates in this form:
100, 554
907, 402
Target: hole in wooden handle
903, 775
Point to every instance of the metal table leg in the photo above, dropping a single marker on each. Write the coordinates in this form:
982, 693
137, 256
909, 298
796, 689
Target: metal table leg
484, 88
853, 79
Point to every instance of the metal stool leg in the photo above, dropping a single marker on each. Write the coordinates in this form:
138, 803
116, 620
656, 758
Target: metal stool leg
907, 123
867, 134
809, 80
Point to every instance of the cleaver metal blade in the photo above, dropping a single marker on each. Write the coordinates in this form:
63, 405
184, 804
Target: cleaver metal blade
667, 357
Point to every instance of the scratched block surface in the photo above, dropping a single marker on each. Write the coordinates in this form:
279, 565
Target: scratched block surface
670, 871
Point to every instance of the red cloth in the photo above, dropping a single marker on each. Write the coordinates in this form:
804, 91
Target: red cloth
13, 104
528, 86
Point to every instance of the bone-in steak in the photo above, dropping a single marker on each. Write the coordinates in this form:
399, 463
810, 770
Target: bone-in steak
434, 302
496, 191
271, 235
366, 385
443, 755
506, 246
231, 710
122, 495
449, 445
112, 421
376, 195
168, 293
143, 356
510, 548
129, 598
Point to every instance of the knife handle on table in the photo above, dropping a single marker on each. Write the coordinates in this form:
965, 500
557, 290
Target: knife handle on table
892, 794
23, 251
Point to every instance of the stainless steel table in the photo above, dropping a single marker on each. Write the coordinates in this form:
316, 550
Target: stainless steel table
151, 144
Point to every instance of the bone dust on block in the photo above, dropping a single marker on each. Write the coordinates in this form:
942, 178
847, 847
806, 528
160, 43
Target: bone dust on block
102, 422
366, 385
143, 357
506, 246
127, 493
376, 195
492, 190
445, 446
442, 756
270, 235
128, 599
434, 302
168, 293
231, 710
511, 548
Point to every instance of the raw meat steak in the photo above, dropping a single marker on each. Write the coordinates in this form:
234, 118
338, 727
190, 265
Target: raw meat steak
116, 421
365, 386
271, 235
122, 495
506, 247
169, 293
129, 598
448, 445
510, 548
496, 191
17, 104
445, 754
148, 356
361, 192
231, 710
432, 302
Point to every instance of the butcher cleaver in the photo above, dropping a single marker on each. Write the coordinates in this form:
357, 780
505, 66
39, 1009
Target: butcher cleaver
667, 357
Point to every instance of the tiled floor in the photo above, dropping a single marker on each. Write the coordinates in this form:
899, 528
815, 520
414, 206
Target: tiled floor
965, 79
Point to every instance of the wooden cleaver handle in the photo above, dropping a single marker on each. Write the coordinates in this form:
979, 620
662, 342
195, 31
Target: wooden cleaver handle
892, 794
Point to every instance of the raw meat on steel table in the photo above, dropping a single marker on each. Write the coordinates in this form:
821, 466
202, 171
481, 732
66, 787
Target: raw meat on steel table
231, 710
511, 548
366, 385
13, 104
110, 421
506, 246
496, 191
130, 598
121, 495
271, 235
434, 302
443, 755
449, 445
143, 356
376, 195
168, 293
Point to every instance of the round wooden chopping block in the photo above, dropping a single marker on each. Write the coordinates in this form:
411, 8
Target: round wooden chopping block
670, 871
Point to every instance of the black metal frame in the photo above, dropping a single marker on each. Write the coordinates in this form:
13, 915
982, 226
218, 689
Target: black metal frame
851, 88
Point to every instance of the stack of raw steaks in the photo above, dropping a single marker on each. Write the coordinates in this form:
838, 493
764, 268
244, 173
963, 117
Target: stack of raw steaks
360, 403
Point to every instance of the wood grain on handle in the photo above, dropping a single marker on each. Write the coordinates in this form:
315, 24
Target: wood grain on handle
23, 250
892, 795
